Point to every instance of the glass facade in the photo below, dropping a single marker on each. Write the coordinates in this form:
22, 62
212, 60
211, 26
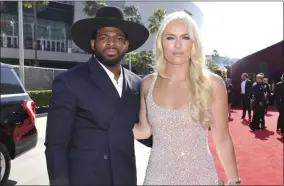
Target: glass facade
51, 35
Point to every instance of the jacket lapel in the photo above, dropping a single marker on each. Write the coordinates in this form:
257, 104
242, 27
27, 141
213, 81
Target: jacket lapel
126, 83
101, 79
128, 99
128, 89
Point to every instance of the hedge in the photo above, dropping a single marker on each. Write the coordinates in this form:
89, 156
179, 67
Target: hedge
40, 97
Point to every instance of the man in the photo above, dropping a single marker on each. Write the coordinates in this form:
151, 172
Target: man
279, 98
246, 92
259, 103
93, 107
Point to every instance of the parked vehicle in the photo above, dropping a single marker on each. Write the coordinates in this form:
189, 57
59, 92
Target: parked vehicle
18, 133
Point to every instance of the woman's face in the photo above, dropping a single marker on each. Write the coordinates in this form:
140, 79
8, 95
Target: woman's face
176, 43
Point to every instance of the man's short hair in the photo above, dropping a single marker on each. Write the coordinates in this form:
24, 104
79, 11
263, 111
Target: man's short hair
260, 75
245, 74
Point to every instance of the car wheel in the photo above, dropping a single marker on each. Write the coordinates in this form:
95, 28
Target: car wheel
5, 164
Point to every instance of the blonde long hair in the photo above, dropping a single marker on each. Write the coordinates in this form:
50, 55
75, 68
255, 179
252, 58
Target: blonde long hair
198, 77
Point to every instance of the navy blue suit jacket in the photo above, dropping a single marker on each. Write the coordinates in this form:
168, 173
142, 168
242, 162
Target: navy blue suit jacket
89, 138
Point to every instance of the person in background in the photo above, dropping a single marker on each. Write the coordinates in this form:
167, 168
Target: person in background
229, 87
273, 86
267, 93
265, 80
259, 100
246, 93
279, 99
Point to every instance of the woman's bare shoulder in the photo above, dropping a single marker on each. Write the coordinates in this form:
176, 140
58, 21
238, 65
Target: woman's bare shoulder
217, 83
146, 82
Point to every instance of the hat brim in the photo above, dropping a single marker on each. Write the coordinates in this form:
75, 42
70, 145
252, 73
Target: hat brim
82, 30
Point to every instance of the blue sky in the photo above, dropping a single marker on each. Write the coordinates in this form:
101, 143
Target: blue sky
237, 29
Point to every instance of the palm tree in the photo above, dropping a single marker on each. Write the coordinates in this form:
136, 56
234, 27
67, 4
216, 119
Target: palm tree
156, 19
211, 65
215, 55
35, 5
132, 14
92, 7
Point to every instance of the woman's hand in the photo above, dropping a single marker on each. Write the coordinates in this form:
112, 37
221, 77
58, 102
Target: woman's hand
142, 130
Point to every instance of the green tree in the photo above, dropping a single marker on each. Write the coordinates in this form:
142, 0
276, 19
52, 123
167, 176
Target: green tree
156, 19
142, 61
35, 5
91, 7
132, 14
211, 65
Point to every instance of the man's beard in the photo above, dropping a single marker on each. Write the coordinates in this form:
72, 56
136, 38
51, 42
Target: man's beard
109, 62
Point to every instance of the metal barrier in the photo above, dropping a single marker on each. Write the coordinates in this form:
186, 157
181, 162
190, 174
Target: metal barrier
38, 78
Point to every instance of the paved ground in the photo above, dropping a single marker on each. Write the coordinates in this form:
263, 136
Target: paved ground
30, 168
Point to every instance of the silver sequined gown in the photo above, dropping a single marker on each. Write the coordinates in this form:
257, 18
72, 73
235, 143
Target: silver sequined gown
180, 154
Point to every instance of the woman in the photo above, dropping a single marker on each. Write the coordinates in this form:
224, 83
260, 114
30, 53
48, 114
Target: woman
229, 87
178, 104
268, 93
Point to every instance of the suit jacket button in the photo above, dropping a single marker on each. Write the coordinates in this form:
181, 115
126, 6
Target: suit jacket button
105, 157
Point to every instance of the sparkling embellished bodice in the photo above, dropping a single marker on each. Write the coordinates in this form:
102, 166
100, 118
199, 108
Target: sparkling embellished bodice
180, 154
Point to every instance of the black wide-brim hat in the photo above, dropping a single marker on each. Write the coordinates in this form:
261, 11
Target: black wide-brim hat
107, 16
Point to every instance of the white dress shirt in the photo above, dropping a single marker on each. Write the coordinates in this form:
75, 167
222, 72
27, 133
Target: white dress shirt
117, 84
243, 86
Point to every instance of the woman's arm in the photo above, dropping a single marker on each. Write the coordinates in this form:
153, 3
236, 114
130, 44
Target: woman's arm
142, 129
220, 130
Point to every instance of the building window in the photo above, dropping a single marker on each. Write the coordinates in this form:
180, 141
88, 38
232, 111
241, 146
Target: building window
48, 33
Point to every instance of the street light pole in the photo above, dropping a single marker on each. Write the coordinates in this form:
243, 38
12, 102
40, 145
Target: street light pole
21, 42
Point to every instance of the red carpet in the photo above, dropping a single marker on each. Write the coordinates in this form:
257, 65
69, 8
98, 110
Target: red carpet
259, 154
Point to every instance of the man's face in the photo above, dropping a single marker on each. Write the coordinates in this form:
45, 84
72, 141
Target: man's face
243, 77
228, 80
110, 45
259, 80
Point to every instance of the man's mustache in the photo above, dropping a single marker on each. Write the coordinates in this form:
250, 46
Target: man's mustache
111, 48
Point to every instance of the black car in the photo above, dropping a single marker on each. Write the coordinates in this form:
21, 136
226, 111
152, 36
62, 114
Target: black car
18, 133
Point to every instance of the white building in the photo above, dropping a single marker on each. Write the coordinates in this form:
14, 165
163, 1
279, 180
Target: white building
146, 10
55, 47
